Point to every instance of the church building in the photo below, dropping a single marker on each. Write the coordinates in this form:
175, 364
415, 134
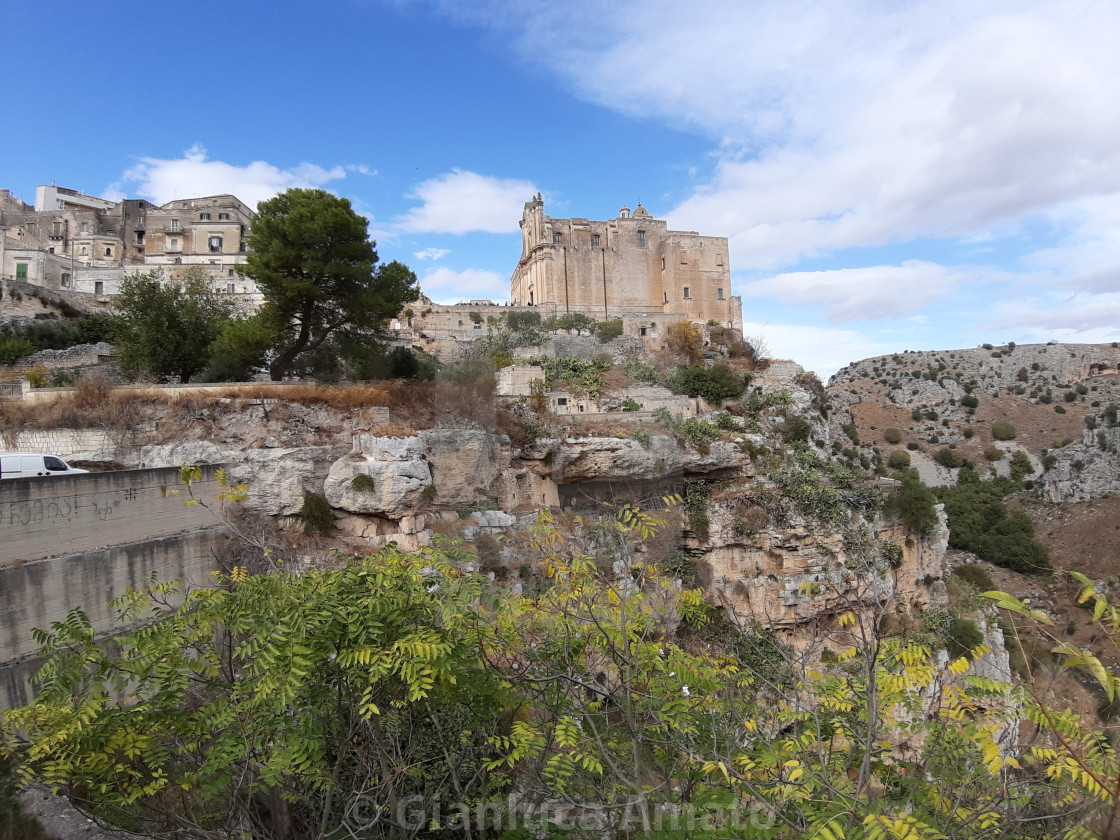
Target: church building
625, 266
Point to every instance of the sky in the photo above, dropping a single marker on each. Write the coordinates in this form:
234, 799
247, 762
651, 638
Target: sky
890, 175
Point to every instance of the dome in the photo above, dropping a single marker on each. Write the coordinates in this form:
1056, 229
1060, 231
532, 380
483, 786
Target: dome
640, 211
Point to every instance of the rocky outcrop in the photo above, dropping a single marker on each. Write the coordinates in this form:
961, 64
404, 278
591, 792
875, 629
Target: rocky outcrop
1086, 470
276, 479
803, 571
397, 473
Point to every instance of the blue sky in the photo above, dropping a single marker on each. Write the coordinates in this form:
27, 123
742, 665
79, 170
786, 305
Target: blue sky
890, 175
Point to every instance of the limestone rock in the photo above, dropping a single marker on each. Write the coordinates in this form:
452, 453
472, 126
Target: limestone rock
464, 464
1086, 470
397, 468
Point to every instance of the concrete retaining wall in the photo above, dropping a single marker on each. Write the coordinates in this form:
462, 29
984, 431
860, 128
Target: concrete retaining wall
41, 592
45, 517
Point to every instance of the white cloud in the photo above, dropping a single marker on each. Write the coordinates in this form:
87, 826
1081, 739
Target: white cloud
194, 175
1080, 318
818, 349
443, 285
431, 254
862, 294
461, 202
858, 123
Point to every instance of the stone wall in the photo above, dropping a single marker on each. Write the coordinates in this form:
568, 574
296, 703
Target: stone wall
65, 443
74, 513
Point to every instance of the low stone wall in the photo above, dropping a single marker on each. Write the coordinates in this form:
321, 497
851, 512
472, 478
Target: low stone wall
65, 443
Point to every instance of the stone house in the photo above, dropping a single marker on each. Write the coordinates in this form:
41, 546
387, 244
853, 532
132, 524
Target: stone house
76, 242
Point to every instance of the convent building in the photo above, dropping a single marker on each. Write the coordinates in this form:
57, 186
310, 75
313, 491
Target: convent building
627, 266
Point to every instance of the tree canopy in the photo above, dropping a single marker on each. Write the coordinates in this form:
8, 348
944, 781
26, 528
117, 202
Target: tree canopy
314, 262
164, 327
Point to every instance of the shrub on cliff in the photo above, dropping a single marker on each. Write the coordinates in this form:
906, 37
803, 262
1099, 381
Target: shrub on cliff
715, 384
914, 504
979, 522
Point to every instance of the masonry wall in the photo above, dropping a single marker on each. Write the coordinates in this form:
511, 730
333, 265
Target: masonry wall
45, 517
41, 592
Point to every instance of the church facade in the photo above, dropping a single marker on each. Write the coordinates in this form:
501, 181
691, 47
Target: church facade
627, 266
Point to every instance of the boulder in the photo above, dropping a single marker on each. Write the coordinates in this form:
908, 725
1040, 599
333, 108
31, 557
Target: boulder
397, 467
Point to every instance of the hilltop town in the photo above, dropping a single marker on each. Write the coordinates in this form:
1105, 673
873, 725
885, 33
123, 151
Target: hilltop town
609, 428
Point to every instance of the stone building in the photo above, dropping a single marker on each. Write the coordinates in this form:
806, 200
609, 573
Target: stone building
630, 265
76, 242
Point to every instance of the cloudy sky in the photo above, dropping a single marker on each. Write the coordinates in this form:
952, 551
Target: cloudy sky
890, 175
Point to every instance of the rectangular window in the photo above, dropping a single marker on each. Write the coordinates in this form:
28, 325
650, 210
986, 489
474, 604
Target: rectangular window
719, 294
561, 400
98, 287
641, 239
21, 271
223, 217
204, 217
557, 239
231, 272
215, 244
666, 295
174, 246
56, 229
687, 293
139, 237
719, 259
230, 288
175, 224
65, 280
641, 331
594, 240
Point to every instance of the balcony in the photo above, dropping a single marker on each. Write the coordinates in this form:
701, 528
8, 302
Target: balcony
174, 227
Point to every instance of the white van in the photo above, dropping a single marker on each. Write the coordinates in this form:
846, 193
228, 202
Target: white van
31, 464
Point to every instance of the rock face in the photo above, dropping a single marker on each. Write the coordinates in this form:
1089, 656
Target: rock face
397, 471
785, 577
1086, 470
597, 458
277, 479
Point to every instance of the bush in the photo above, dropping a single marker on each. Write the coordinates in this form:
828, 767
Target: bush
318, 518
913, 446
1003, 431
979, 522
1059, 409
1070, 396
968, 432
796, 429
521, 321
14, 349
362, 483
685, 337
914, 504
643, 372
608, 330
892, 435
970, 401
976, 577
1020, 465
715, 384
899, 460
964, 634
631, 405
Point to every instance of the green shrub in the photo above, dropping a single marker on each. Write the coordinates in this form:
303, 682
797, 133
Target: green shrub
950, 458
852, 432
429, 493
1059, 409
1020, 465
979, 522
715, 384
1070, 396
727, 423
362, 483
892, 435
14, 349
521, 321
696, 494
899, 460
644, 439
976, 577
1003, 431
631, 405
318, 518
569, 321
914, 504
489, 552
608, 330
964, 634
968, 432
970, 401
913, 446
643, 372
796, 429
